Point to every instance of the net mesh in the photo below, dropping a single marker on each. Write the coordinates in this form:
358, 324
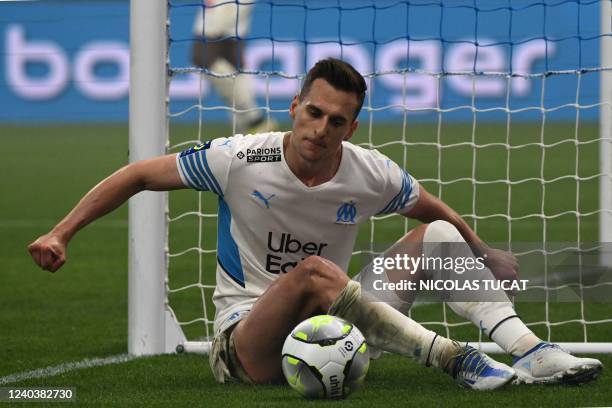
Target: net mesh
491, 105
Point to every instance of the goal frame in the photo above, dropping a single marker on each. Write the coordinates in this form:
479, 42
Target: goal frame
152, 328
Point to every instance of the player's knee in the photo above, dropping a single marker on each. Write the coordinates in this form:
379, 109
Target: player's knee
414, 236
322, 280
441, 231
315, 272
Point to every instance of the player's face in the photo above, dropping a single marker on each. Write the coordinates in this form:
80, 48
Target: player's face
322, 120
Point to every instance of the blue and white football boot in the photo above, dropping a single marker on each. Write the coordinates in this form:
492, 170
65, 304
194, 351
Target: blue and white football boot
548, 363
477, 371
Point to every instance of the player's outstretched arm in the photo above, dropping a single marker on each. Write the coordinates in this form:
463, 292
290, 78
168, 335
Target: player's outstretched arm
430, 208
158, 174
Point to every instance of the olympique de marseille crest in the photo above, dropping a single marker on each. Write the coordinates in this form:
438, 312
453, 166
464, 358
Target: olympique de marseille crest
346, 213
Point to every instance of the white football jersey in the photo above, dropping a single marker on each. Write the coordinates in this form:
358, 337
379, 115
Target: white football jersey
269, 220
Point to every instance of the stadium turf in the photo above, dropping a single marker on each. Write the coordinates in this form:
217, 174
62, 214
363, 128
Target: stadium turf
81, 311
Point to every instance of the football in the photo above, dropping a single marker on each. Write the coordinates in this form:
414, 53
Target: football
325, 357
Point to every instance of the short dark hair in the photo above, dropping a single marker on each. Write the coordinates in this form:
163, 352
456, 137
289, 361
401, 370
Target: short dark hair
340, 75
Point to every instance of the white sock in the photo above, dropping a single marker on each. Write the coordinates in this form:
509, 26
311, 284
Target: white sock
237, 91
506, 337
497, 319
387, 329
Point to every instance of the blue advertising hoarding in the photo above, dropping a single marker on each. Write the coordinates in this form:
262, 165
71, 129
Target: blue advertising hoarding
68, 61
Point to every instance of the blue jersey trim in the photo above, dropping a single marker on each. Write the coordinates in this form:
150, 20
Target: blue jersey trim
189, 176
227, 253
199, 163
403, 196
203, 181
210, 173
192, 174
197, 171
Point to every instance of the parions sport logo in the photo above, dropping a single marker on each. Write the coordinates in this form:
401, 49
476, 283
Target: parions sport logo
287, 245
262, 155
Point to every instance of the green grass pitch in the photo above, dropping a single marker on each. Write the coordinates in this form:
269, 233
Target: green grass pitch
81, 311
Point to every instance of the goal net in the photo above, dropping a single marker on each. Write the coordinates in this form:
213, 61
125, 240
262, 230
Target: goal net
500, 108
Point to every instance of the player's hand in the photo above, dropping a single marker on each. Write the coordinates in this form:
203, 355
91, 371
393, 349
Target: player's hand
503, 264
49, 252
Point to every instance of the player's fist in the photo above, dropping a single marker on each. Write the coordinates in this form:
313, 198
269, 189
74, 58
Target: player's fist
49, 252
503, 264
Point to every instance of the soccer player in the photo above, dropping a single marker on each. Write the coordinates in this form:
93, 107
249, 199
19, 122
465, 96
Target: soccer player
289, 208
220, 27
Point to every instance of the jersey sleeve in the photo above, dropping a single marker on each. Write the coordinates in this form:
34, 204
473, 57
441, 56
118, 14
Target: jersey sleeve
205, 167
401, 190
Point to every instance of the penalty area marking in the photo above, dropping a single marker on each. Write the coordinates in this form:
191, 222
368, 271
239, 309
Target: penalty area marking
66, 367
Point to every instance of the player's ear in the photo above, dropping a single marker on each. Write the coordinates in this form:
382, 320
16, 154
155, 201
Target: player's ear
352, 130
294, 103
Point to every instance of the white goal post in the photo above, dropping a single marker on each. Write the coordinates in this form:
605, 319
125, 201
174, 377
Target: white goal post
152, 327
605, 131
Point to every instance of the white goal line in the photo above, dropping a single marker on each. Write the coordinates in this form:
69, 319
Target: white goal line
66, 367
203, 347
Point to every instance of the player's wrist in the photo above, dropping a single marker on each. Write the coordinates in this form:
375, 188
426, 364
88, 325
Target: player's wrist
479, 248
62, 234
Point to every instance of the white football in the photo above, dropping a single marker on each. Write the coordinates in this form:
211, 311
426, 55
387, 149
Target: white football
325, 357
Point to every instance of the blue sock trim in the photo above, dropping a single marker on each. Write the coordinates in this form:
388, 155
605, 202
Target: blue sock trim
537, 347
